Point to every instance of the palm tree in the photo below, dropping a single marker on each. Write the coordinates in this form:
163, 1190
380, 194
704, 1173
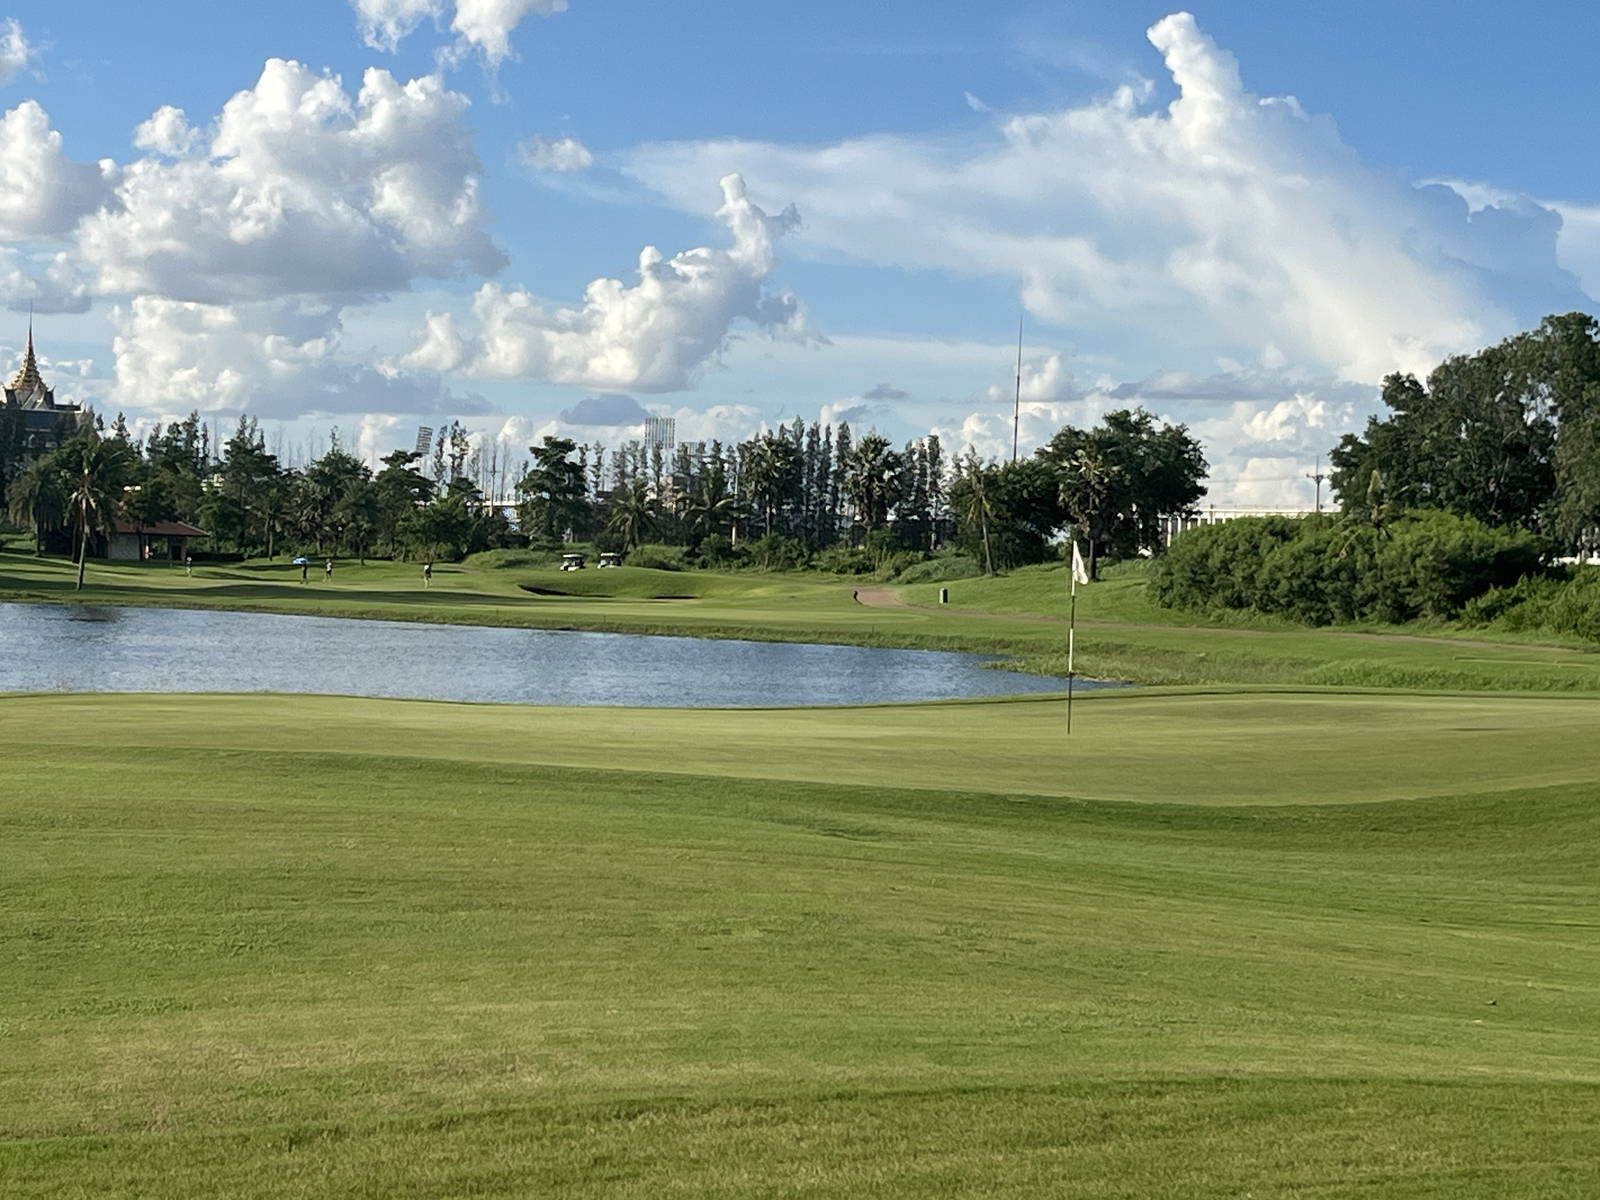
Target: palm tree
974, 497
630, 513
714, 509
872, 480
36, 497
1085, 490
96, 469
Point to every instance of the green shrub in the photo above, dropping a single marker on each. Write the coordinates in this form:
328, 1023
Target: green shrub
1322, 570
498, 560
1566, 604
774, 552
844, 560
717, 551
941, 570
657, 557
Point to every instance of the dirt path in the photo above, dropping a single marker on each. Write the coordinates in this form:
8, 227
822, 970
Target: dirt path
885, 597
879, 597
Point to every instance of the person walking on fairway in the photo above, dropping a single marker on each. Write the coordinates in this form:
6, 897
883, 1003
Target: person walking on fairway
188, 564
327, 571
305, 565
427, 574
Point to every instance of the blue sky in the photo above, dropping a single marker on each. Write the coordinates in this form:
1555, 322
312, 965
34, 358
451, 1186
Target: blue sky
1180, 232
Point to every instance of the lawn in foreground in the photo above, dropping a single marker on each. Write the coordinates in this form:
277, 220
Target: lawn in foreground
417, 958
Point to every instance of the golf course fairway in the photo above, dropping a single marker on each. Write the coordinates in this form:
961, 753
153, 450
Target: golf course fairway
1262, 944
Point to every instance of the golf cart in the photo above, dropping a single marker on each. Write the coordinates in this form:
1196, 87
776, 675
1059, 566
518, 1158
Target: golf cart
572, 562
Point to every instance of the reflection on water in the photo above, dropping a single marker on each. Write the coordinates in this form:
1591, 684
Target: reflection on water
102, 649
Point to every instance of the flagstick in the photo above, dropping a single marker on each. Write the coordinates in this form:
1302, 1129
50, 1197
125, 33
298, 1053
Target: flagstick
1072, 638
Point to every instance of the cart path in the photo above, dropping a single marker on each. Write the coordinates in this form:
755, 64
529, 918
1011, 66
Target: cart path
882, 597
888, 597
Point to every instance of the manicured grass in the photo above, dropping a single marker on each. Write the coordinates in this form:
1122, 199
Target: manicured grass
1122, 635
1267, 747
274, 946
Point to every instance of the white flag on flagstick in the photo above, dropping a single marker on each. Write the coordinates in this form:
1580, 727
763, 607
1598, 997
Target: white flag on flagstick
1080, 573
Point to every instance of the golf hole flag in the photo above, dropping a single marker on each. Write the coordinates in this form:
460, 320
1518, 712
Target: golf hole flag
1080, 574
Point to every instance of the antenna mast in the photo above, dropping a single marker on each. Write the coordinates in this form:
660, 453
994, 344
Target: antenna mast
1016, 405
1318, 475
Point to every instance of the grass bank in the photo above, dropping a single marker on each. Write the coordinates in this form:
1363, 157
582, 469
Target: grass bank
274, 946
1122, 635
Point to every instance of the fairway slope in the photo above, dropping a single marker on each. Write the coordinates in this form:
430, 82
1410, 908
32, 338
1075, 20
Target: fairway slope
378, 949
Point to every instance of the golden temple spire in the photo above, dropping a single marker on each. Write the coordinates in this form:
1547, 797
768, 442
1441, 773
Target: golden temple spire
27, 379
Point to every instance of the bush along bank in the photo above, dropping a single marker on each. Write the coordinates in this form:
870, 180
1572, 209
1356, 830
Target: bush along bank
1325, 570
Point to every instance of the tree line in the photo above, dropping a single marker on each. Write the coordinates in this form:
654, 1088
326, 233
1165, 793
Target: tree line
1459, 502
801, 495
1509, 436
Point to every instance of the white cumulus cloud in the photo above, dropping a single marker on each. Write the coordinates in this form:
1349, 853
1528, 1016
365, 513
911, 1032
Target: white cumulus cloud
652, 336
301, 190
1226, 222
16, 52
272, 358
168, 132
384, 24
481, 26
43, 283
555, 154
43, 194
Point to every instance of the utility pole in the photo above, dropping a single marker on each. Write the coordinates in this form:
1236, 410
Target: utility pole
1318, 475
1016, 406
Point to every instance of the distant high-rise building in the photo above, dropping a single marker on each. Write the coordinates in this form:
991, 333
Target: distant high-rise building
424, 440
661, 431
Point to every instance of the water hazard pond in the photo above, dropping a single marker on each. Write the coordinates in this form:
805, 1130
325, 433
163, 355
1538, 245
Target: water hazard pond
71, 648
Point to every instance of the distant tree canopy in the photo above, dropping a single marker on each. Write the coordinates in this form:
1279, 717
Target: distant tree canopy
1117, 480
801, 494
1509, 436
1109, 485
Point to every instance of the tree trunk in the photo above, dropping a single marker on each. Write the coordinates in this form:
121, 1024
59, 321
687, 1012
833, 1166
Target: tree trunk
83, 548
988, 558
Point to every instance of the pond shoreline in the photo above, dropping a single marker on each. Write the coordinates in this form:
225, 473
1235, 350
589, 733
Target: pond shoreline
171, 648
523, 614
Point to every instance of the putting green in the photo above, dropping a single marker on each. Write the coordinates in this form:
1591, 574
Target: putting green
1280, 747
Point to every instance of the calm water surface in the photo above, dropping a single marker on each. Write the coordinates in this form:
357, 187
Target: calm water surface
93, 649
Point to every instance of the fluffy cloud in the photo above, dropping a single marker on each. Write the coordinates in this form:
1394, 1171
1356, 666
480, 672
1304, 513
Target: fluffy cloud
53, 284
555, 154
300, 191
653, 336
43, 193
605, 410
274, 359
1579, 243
1224, 220
168, 132
1263, 429
15, 51
484, 26
385, 24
